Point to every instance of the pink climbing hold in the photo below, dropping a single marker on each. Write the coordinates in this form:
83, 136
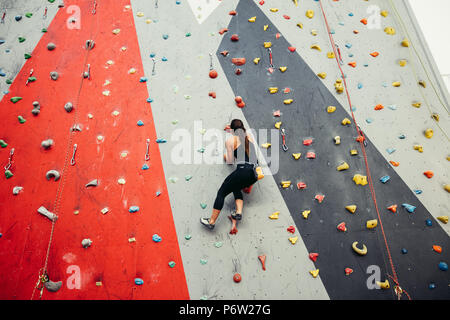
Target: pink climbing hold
319, 197
310, 155
277, 113
286, 17
239, 61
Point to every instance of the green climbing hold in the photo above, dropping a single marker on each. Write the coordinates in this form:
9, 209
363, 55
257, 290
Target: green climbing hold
27, 56
188, 177
8, 174
188, 237
21, 119
32, 79
218, 244
203, 205
8, 81
28, 14
203, 261
21, 39
15, 99
203, 298
188, 34
44, 30
51, 1
171, 264
3, 144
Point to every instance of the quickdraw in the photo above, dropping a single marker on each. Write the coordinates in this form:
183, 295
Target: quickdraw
11, 153
72, 161
283, 136
3, 17
28, 80
147, 154
270, 59
43, 278
45, 14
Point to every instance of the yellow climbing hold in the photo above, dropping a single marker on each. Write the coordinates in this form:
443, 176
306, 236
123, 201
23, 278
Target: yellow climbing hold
266, 145
274, 215
316, 47
343, 166
306, 213
417, 104
384, 13
422, 83
429, 133
140, 14
418, 148
266, 26
314, 32
371, 224
148, 21
296, 155
285, 184
288, 101
353, 152
283, 69
267, 44
339, 86
405, 43
384, 285
322, 75
296, 3
402, 62
359, 251
310, 13
443, 219
396, 84
360, 179
351, 208
330, 55
389, 30
116, 31
314, 273
300, 25
273, 90
447, 187
256, 60
278, 124
337, 140
293, 240
331, 109
252, 19
346, 121
273, 9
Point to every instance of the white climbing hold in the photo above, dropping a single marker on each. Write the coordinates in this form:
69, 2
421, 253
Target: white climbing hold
42, 210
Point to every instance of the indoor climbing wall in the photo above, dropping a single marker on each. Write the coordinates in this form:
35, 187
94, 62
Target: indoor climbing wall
114, 115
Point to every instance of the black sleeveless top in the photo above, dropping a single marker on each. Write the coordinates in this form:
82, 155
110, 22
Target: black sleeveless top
241, 156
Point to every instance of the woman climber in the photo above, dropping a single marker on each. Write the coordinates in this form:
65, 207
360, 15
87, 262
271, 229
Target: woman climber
239, 149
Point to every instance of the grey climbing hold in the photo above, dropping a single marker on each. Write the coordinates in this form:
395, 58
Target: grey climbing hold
51, 46
86, 243
93, 183
133, 209
76, 127
52, 174
42, 210
46, 144
90, 44
53, 286
54, 75
68, 106
35, 111
16, 190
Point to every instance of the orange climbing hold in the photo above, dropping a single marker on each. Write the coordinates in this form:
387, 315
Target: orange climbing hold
375, 54
262, 258
394, 163
223, 30
379, 107
364, 21
352, 64
429, 174
225, 53
238, 61
438, 249
392, 208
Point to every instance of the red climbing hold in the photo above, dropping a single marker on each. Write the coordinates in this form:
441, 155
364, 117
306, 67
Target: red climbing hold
286, 90
241, 104
307, 142
237, 278
348, 271
292, 49
438, 249
310, 155
238, 99
225, 53
319, 197
238, 71
429, 174
392, 208
261, 2
262, 258
286, 17
301, 185
291, 229
278, 35
234, 37
212, 94
213, 74
313, 256
341, 227
223, 30
232, 13
239, 61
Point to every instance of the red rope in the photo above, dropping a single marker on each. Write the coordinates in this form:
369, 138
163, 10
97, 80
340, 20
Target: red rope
361, 140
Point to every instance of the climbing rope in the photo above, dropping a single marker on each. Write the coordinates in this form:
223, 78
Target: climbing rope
42, 278
362, 141
405, 30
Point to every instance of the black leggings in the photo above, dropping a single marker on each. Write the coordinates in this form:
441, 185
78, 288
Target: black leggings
242, 177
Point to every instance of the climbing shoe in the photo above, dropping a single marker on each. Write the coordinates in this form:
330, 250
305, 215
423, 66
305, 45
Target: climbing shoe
236, 216
205, 222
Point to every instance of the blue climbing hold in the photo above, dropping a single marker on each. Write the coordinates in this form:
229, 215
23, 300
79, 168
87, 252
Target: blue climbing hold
2, 74
428, 222
385, 179
158, 193
390, 150
443, 266
138, 281
177, 2
140, 123
143, 79
149, 100
417, 191
404, 251
145, 166
18, 18
431, 286
2, 41
156, 238
348, 45
350, 14
402, 136
152, 55
160, 140
365, 64
164, 59
360, 85
369, 120
133, 209
392, 107
165, 36
351, 55
408, 207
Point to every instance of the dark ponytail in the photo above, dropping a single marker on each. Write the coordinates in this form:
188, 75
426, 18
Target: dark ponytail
238, 127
